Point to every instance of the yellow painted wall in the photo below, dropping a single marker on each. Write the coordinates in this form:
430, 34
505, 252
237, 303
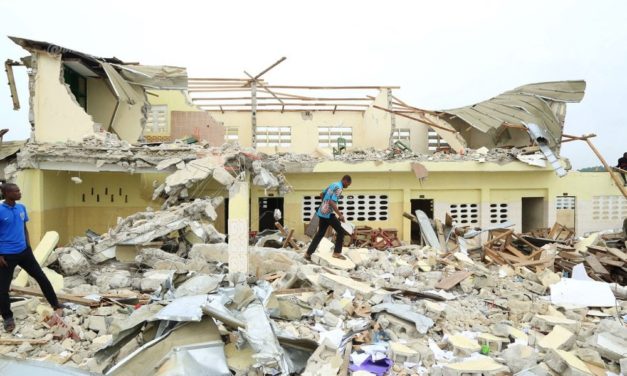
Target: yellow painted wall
56, 203
57, 116
100, 101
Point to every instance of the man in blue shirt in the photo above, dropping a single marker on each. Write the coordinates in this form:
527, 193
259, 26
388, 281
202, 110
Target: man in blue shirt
15, 251
327, 214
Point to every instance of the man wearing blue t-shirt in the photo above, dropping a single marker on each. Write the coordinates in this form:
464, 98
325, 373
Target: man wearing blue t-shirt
327, 214
15, 251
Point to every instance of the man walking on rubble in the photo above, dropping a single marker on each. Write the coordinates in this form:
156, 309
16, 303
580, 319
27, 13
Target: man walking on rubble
622, 164
327, 215
15, 251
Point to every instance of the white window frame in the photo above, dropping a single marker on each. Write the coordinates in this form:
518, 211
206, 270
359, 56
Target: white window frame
402, 134
328, 135
268, 136
435, 141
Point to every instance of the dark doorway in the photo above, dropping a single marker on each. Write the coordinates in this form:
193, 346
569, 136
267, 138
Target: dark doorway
266, 212
532, 213
426, 205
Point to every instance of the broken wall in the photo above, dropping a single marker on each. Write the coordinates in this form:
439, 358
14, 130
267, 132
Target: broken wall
378, 123
56, 114
198, 124
182, 118
303, 127
55, 202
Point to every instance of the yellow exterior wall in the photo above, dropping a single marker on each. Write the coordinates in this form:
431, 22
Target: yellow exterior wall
57, 116
56, 203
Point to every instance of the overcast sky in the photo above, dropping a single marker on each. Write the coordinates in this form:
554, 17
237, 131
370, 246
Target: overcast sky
443, 54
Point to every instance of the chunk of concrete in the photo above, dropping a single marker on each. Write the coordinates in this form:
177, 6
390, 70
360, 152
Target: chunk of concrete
401, 353
222, 176
463, 345
324, 257
340, 284
198, 285
559, 338
566, 363
610, 340
546, 323
154, 279
493, 342
483, 366
56, 279
74, 262
519, 357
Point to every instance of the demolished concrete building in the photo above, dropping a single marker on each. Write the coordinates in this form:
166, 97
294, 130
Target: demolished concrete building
140, 171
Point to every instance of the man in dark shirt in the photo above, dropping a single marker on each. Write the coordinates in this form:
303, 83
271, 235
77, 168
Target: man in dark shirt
622, 164
15, 251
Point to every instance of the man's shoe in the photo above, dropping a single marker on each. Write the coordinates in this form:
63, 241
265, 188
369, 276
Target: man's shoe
9, 325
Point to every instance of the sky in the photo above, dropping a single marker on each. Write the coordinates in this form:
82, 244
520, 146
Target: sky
443, 53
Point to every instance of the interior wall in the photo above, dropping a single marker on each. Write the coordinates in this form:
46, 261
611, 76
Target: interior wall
100, 101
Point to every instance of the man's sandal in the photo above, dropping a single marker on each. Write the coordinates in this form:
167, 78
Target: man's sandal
339, 256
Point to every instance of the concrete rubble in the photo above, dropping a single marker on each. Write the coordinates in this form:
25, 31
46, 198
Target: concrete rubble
154, 296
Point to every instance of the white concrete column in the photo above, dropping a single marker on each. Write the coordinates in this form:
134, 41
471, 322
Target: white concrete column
239, 220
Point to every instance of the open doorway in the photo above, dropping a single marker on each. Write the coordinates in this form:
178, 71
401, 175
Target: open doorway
426, 205
267, 205
532, 213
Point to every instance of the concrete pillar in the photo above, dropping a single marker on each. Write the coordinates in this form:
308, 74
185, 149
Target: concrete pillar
239, 212
407, 208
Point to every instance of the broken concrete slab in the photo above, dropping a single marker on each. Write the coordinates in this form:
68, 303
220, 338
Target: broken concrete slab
559, 338
73, 262
462, 345
324, 257
545, 323
610, 340
483, 366
520, 357
566, 363
340, 284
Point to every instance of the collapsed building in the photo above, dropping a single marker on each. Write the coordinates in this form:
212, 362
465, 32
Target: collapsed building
155, 184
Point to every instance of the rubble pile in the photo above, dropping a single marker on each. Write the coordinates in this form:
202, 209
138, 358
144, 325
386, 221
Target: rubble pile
143, 301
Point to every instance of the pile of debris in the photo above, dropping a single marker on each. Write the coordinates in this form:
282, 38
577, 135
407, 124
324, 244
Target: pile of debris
154, 296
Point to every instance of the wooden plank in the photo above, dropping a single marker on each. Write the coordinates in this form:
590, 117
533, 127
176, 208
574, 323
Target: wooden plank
617, 253
596, 265
346, 359
534, 262
452, 280
19, 341
62, 297
513, 250
611, 261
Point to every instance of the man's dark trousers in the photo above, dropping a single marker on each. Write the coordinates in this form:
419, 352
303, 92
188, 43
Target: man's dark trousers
26, 260
322, 229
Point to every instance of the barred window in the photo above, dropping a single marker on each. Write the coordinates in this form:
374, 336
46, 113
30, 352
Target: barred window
401, 134
327, 136
157, 119
356, 208
435, 141
273, 136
